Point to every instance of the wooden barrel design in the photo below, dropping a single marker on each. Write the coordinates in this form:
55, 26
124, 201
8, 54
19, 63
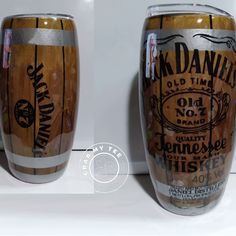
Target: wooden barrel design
39, 94
187, 86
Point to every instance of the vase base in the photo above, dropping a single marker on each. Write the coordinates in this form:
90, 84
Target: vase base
37, 179
189, 210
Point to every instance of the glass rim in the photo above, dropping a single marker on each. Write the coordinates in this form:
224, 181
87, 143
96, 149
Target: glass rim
41, 15
156, 10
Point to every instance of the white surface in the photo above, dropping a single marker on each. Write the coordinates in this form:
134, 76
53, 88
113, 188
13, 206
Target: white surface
118, 28
82, 10
72, 182
129, 211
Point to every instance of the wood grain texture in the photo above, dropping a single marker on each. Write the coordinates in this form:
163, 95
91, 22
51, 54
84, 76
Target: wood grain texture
52, 92
21, 88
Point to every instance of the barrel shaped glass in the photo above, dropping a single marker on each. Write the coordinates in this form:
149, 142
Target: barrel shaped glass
187, 97
39, 94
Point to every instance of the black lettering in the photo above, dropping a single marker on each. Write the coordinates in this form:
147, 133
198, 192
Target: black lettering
202, 111
31, 72
223, 69
179, 60
195, 62
165, 66
45, 128
182, 102
229, 72
41, 142
209, 62
179, 112
44, 118
42, 95
192, 166
47, 108
217, 65
43, 134
37, 79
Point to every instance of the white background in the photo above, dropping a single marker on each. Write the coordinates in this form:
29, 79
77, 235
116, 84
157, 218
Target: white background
118, 28
133, 209
82, 10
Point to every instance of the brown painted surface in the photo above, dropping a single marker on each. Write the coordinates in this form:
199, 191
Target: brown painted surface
220, 134
60, 83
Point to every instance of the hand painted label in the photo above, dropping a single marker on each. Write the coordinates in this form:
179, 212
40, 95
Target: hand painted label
189, 110
188, 99
186, 61
45, 105
24, 113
